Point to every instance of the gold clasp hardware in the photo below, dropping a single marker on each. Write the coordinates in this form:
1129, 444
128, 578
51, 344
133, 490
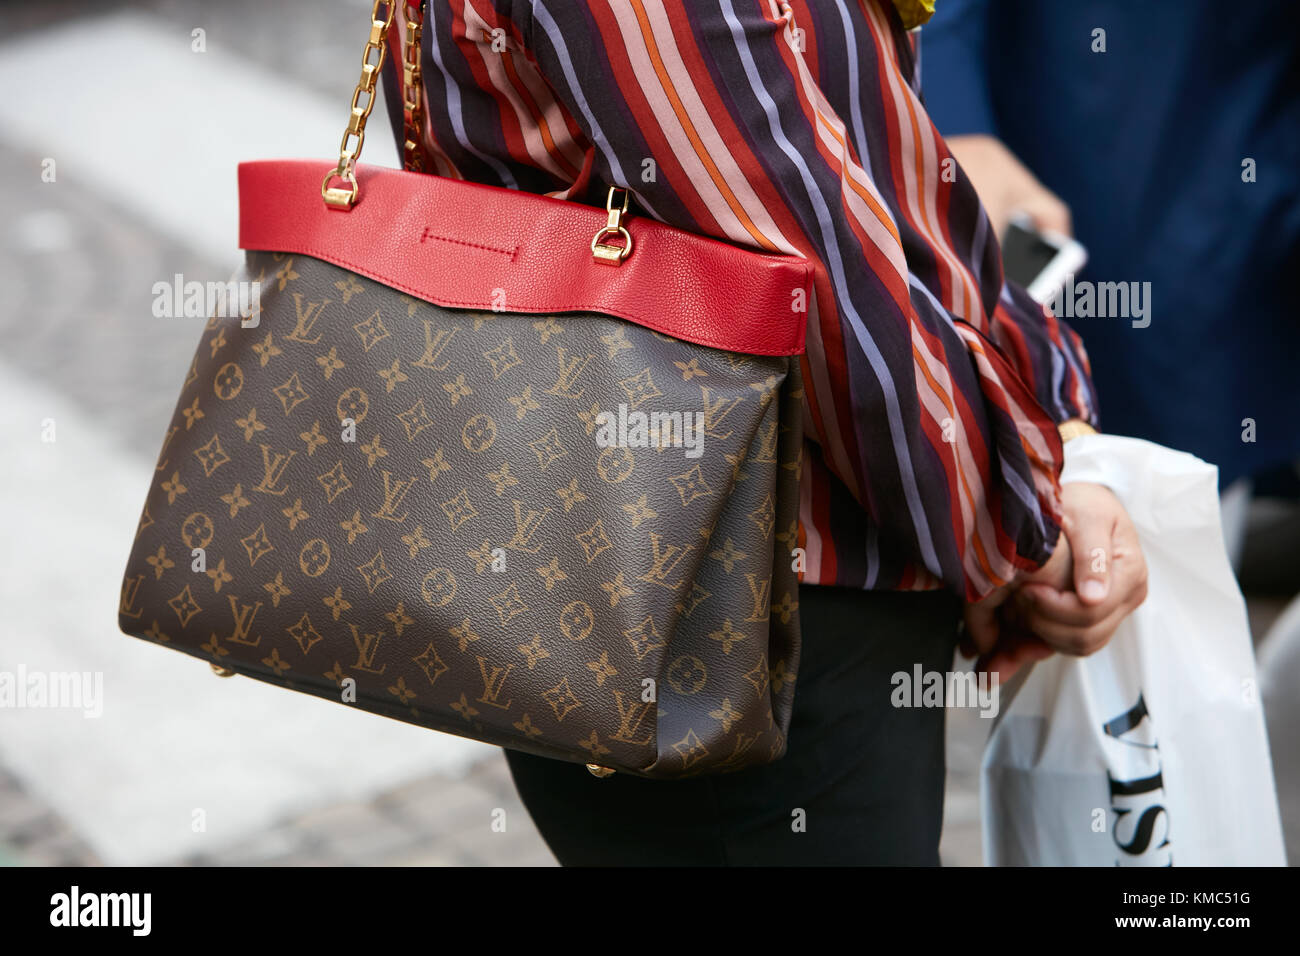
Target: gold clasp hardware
333, 195
612, 254
222, 671
596, 770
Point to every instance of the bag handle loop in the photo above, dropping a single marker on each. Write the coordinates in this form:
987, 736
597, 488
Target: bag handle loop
337, 197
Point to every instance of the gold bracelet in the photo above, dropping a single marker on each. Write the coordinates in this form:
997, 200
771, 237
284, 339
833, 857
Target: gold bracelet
1074, 428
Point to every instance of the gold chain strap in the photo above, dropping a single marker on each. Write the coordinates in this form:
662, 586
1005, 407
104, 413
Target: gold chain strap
376, 46
413, 125
413, 89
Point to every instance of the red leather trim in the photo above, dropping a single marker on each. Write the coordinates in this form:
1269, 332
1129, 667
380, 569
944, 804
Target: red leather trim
455, 244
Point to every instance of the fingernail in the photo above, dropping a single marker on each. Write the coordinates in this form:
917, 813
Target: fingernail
1093, 590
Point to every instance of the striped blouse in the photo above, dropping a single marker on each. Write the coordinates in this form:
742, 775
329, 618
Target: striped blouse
933, 388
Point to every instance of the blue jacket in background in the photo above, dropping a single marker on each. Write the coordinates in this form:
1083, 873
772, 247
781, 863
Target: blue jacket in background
1146, 142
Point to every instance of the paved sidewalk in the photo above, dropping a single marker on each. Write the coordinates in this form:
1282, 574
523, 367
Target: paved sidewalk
440, 820
31, 834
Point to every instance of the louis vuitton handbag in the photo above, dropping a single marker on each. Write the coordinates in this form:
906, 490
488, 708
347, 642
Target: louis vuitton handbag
504, 466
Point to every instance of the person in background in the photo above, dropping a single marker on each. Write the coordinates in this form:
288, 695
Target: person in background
1165, 136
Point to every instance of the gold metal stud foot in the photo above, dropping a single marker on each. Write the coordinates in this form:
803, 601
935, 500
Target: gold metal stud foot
596, 770
222, 671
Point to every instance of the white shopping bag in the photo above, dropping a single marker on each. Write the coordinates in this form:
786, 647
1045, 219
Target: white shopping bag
1152, 751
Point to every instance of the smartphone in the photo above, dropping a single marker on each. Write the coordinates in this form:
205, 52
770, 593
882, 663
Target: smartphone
1042, 262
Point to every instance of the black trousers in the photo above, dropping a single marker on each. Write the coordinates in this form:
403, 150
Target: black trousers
861, 782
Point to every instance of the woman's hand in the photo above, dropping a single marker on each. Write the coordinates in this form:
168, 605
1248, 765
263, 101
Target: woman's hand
1096, 577
1109, 575
1006, 187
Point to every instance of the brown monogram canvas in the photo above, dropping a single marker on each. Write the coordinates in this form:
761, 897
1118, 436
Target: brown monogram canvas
406, 508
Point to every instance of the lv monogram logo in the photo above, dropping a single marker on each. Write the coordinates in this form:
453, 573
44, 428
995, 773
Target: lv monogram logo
162, 462
570, 371
130, 589
631, 715
715, 411
760, 589
664, 562
744, 743
526, 526
395, 490
435, 343
493, 682
273, 466
767, 445
367, 646
307, 317
244, 616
